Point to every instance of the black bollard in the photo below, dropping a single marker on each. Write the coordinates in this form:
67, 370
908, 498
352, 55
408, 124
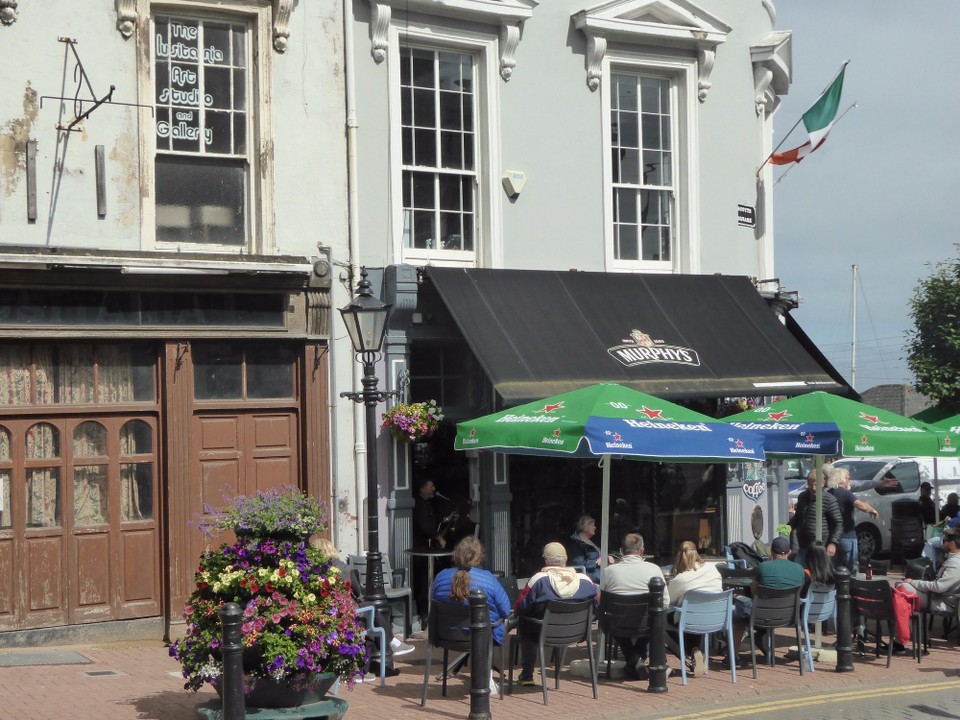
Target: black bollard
658, 638
479, 656
231, 650
844, 622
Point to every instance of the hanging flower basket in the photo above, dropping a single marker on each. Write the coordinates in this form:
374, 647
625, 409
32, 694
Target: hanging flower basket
413, 422
299, 619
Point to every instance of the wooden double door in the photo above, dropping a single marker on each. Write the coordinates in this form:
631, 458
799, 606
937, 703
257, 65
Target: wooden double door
79, 532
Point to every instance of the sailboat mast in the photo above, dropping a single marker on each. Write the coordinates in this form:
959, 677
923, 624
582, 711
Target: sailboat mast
853, 330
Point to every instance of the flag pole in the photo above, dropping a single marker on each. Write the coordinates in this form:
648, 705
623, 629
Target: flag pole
780, 144
854, 104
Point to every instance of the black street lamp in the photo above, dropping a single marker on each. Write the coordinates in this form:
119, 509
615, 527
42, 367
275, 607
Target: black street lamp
366, 320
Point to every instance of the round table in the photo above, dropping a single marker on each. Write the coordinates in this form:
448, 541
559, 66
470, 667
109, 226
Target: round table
429, 554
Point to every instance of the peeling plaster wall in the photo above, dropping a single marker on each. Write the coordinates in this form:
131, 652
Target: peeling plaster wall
306, 106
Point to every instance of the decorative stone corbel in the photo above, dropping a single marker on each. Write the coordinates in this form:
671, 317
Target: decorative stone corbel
379, 30
765, 95
126, 17
705, 59
596, 50
281, 24
509, 40
8, 11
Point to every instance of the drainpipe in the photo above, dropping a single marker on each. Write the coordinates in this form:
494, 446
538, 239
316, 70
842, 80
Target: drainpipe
353, 232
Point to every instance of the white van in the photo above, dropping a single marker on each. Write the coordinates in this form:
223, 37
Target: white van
866, 474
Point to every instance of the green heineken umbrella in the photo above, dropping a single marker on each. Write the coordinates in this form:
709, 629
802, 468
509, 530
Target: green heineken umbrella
605, 420
819, 424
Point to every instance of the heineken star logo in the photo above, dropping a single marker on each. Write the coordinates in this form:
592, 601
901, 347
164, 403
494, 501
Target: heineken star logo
809, 437
778, 416
863, 439
739, 443
652, 414
556, 433
550, 407
870, 418
473, 432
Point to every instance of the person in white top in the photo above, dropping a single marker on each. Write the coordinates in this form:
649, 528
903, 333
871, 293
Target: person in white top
692, 572
631, 576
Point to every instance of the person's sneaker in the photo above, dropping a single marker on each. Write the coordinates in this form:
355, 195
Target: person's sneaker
698, 664
402, 648
526, 681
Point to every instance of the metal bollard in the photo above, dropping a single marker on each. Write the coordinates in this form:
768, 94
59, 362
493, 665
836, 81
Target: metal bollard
231, 650
658, 638
844, 622
479, 656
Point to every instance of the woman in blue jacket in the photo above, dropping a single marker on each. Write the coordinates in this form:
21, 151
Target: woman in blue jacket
454, 584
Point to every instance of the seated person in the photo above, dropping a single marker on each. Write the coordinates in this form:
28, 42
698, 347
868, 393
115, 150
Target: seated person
583, 551
396, 647
693, 573
940, 594
952, 507
555, 581
928, 508
631, 576
778, 572
454, 584
819, 569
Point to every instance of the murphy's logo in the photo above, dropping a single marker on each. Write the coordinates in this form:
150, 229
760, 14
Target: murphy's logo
641, 349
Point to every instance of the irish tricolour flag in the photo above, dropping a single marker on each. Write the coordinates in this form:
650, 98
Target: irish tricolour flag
817, 120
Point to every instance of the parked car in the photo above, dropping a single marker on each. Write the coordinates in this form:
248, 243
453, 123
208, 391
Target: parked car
868, 484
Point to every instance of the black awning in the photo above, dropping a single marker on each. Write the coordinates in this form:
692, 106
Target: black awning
538, 333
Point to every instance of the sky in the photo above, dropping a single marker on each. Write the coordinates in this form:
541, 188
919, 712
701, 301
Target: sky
881, 193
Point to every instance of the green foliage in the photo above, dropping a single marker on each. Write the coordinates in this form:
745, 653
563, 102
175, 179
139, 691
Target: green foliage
934, 344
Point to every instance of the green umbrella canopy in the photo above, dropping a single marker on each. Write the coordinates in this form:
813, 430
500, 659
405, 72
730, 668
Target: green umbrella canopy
609, 419
606, 420
792, 426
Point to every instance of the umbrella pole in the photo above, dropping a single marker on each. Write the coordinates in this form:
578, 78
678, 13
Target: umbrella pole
605, 512
818, 470
936, 491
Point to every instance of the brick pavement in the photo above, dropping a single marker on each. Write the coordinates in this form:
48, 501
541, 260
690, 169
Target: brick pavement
146, 686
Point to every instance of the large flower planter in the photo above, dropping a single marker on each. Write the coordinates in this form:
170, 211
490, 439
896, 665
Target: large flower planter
268, 693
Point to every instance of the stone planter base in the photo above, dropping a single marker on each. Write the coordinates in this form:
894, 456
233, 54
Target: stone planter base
333, 708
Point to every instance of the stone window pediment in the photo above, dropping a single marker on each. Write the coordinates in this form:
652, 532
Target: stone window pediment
671, 23
507, 14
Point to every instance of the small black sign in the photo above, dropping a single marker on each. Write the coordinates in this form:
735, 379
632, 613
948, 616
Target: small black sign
746, 216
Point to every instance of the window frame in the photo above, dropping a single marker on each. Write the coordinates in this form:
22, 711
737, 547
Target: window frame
259, 168
685, 240
488, 208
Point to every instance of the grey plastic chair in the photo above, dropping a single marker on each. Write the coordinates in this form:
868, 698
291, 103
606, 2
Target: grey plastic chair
819, 605
368, 613
394, 585
564, 623
774, 608
704, 612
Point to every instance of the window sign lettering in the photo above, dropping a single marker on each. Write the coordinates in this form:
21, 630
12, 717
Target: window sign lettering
201, 166
200, 86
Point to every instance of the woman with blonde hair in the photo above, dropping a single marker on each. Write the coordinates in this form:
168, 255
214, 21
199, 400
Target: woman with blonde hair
692, 572
454, 584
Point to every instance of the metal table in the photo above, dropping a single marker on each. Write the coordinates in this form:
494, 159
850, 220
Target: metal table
429, 554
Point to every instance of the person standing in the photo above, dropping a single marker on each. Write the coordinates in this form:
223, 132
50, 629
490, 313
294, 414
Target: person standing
631, 576
429, 528
804, 520
928, 508
838, 485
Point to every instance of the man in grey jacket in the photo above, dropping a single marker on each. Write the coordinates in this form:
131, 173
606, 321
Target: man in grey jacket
804, 520
940, 595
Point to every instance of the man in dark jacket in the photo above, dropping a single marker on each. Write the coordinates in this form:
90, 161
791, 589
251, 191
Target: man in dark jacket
804, 520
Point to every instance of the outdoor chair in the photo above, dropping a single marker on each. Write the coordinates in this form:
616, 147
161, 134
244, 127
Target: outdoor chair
737, 578
774, 608
703, 612
906, 539
819, 605
368, 613
394, 585
448, 627
873, 600
564, 623
622, 616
